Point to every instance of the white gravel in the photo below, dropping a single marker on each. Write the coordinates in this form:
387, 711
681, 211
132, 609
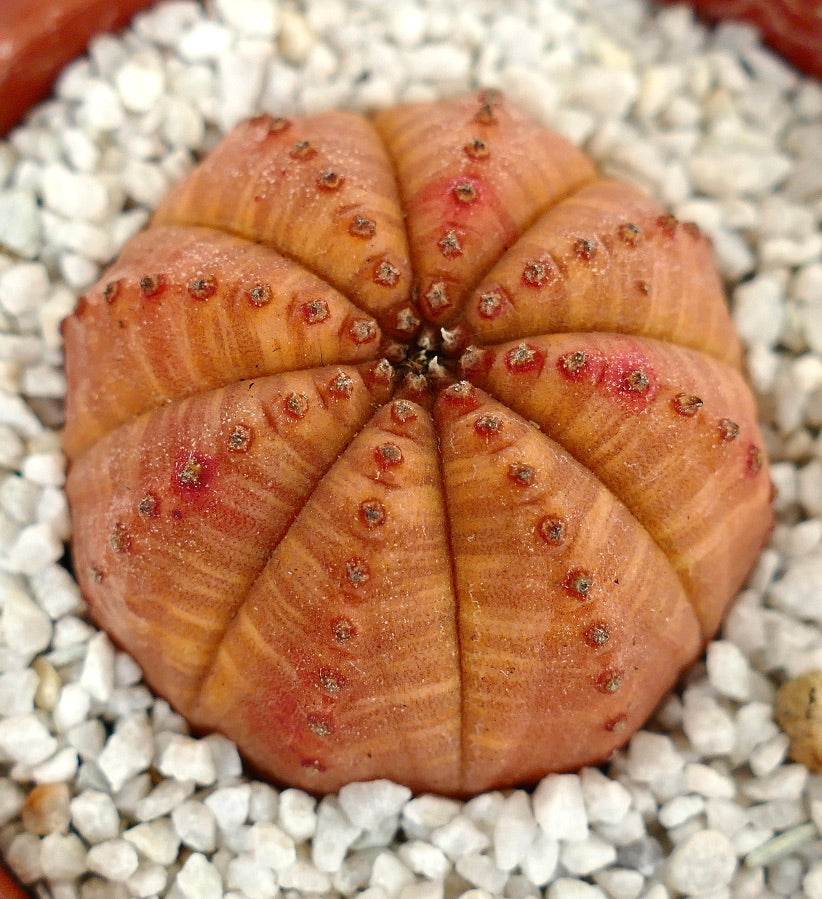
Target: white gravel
103, 793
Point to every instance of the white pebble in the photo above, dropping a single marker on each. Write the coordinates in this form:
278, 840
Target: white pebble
768, 755
78, 271
15, 413
421, 815
802, 538
19, 222
97, 676
799, 591
183, 125
438, 62
807, 291
25, 626
157, 840
205, 40
303, 876
46, 469
230, 805
145, 182
43, 381
334, 834
754, 725
11, 448
50, 314
19, 497
113, 859
23, 857
680, 809
583, 857
406, 23
606, 800
559, 807
708, 782
424, 859
481, 871
23, 287
652, 757
389, 874
786, 783
196, 825
729, 670
83, 238
254, 880
185, 758
140, 83
734, 257
782, 251
81, 151
24, 738
264, 802
75, 195
514, 831
128, 751
63, 856
199, 879
809, 484
56, 591
812, 882
36, 547
369, 803
94, 816
566, 888
738, 172
101, 108
132, 793
297, 814
705, 861
459, 837
608, 93
11, 800
163, 24
9, 530
658, 86
620, 883
148, 880
270, 846
125, 226
60, 768
260, 18
126, 671
225, 756
71, 631
17, 689
240, 78
779, 814
758, 309
707, 725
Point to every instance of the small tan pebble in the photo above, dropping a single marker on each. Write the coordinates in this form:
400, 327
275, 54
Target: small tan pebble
799, 713
296, 39
46, 809
48, 689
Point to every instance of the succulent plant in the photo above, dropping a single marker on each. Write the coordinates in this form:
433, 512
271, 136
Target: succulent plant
411, 448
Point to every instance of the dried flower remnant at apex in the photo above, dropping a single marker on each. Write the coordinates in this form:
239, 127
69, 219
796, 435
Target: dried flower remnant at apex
287, 472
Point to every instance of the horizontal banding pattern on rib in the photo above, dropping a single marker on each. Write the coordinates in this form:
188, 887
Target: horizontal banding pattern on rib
352, 575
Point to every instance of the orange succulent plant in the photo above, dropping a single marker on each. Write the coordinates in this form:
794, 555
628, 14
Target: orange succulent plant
411, 448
